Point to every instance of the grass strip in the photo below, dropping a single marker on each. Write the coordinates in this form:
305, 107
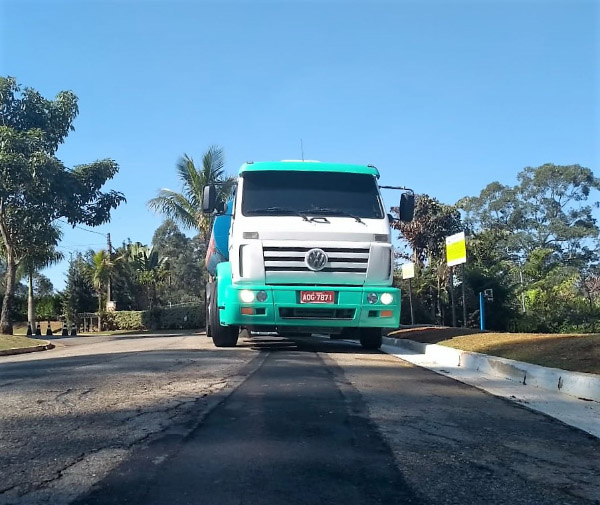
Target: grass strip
574, 352
18, 342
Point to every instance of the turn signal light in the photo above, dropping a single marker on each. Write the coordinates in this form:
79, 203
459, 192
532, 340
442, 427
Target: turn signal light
386, 313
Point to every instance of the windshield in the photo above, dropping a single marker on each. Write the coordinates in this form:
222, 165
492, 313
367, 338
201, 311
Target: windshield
311, 193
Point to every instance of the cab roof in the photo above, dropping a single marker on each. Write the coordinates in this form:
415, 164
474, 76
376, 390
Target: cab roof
308, 166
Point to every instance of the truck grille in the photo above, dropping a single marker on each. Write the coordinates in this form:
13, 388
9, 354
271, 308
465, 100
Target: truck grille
315, 313
340, 259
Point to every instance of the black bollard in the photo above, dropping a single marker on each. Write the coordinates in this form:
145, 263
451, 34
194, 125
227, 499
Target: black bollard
73, 330
29, 331
65, 331
38, 330
48, 330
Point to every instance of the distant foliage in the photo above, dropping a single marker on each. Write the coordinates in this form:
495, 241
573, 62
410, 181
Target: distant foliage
535, 244
78, 295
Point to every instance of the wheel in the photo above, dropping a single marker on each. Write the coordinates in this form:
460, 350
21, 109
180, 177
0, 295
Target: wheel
370, 338
222, 336
208, 296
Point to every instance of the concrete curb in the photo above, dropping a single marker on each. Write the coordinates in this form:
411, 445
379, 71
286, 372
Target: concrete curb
24, 350
584, 386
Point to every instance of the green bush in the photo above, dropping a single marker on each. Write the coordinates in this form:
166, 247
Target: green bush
126, 320
187, 316
159, 318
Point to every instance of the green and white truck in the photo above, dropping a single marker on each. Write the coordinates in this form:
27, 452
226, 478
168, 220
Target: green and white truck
302, 247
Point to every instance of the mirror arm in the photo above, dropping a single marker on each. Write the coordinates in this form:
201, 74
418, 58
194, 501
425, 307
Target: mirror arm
402, 188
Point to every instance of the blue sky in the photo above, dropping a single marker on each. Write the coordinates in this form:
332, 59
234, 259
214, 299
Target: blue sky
442, 96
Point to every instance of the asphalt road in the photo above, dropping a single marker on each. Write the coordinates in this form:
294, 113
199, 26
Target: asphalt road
171, 420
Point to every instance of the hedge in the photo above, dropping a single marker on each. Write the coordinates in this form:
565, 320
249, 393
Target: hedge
159, 318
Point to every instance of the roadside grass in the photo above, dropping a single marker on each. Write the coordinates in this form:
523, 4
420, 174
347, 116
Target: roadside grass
18, 342
574, 352
136, 332
20, 328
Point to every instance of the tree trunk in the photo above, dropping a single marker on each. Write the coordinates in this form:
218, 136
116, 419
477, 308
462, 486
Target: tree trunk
6, 326
31, 303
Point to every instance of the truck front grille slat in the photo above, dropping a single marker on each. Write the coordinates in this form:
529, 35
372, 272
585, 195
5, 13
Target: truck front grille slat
304, 269
331, 259
328, 250
315, 313
340, 259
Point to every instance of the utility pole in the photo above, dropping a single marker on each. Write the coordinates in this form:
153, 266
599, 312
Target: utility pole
522, 290
108, 288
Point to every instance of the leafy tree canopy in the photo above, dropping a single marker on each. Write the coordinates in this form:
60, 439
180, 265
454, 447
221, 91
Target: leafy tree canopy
36, 188
186, 207
426, 234
546, 210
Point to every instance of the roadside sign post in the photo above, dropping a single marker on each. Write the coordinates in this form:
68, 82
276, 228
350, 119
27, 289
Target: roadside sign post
456, 254
464, 305
452, 297
408, 272
481, 312
487, 294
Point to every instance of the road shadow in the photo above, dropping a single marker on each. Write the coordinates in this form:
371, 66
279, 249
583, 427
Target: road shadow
431, 334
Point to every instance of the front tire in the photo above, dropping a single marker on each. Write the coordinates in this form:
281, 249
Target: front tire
222, 336
208, 296
370, 338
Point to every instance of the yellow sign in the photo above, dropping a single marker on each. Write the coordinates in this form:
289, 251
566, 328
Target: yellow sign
456, 249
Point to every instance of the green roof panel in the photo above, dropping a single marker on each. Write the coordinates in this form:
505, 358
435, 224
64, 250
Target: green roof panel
308, 166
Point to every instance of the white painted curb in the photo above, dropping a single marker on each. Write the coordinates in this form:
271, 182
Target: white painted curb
584, 386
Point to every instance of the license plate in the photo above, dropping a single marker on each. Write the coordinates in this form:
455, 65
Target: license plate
317, 297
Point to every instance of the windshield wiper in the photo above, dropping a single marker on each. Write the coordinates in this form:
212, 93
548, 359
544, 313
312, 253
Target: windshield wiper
327, 210
278, 210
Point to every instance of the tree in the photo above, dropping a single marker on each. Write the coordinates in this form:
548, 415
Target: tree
150, 269
40, 253
186, 259
36, 188
101, 269
545, 210
42, 285
186, 207
540, 242
425, 235
78, 295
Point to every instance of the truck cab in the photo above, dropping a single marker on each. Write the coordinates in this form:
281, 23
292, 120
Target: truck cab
308, 249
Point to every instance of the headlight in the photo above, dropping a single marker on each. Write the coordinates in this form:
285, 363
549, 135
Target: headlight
247, 296
372, 298
387, 298
261, 296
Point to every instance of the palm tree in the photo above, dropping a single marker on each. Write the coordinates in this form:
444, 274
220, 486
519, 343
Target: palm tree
186, 207
101, 268
150, 268
41, 253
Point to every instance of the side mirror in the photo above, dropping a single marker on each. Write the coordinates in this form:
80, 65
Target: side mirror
209, 199
221, 207
407, 207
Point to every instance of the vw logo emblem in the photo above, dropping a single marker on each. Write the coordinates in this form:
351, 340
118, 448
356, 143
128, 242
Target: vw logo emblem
316, 259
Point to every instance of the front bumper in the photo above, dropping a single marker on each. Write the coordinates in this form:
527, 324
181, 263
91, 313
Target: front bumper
282, 308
